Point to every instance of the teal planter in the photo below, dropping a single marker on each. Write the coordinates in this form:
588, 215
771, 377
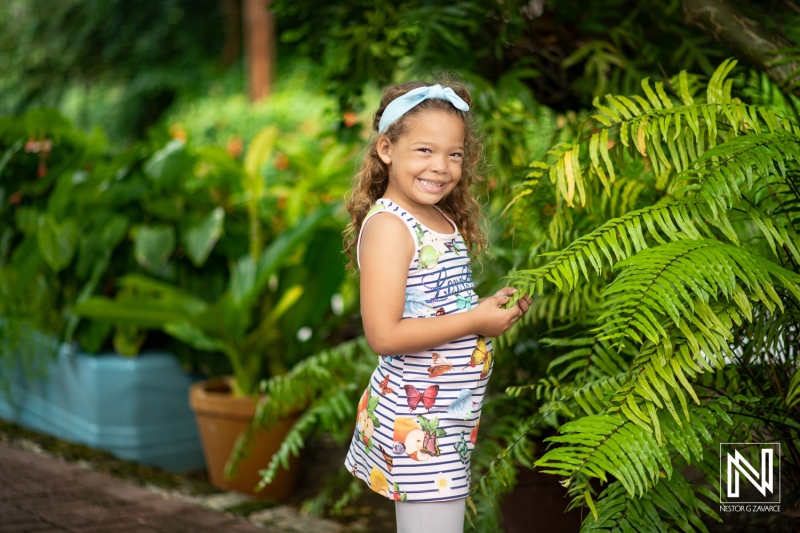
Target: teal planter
137, 408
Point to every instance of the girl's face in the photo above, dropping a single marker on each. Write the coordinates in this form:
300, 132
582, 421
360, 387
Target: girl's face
425, 163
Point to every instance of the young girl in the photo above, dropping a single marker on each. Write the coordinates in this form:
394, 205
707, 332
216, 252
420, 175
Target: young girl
414, 226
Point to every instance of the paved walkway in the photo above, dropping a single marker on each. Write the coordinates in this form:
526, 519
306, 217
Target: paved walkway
40, 494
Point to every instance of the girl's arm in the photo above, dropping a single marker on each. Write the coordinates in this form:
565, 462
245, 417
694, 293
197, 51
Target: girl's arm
386, 250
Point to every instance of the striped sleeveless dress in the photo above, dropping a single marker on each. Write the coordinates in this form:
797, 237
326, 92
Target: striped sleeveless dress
417, 420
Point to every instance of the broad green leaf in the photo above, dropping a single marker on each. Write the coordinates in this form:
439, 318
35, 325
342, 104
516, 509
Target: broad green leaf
169, 164
153, 246
57, 242
147, 314
200, 239
194, 337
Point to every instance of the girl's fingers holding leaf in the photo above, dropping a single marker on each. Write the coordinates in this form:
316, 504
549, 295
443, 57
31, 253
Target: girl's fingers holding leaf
524, 303
507, 291
501, 299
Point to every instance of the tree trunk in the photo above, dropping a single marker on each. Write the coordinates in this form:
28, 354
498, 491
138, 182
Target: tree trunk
745, 37
259, 24
232, 11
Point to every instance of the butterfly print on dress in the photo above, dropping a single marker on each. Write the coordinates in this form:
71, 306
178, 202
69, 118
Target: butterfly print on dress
440, 365
482, 355
428, 397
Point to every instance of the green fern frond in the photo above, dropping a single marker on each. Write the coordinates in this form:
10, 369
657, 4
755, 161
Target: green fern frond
620, 238
326, 383
777, 232
282, 395
699, 271
602, 445
671, 137
546, 307
507, 445
590, 373
718, 191
591, 355
599, 445
351, 494
551, 304
665, 281
672, 502
662, 370
566, 397
320, 413
793, 392
729, 169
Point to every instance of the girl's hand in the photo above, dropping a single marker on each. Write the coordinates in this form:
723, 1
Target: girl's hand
492, 319
523, 303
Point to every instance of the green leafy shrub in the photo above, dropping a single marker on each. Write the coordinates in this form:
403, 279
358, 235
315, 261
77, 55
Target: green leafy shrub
665, 267
296, 105
80, 215
95, 223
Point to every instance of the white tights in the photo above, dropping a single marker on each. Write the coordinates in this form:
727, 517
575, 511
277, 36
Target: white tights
431, 517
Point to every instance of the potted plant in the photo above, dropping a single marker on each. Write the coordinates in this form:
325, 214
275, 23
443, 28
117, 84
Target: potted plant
70, 229
238, 325
268, 288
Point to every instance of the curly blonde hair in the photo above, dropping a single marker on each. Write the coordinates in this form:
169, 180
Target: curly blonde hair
370, 183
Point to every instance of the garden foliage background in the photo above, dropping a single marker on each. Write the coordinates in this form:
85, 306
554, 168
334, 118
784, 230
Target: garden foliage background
657, 229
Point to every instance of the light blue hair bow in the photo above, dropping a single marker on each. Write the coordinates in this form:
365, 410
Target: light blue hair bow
403, 104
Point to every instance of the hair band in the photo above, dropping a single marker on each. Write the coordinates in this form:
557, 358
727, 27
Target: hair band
403, 104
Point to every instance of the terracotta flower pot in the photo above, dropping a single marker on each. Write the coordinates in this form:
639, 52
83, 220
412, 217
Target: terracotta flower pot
221, 417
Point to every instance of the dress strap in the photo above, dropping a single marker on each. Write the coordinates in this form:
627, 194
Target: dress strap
450, 220
384, 205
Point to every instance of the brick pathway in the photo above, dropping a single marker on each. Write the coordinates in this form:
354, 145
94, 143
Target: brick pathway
43, 495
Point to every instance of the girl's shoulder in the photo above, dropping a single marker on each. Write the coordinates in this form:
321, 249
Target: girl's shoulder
384, 205
387, 230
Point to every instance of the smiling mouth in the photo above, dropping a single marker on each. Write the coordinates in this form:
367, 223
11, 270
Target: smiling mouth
431, 184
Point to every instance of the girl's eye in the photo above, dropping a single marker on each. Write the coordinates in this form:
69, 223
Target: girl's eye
457, 154
425, 150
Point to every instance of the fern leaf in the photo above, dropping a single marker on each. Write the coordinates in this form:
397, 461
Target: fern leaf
662, 280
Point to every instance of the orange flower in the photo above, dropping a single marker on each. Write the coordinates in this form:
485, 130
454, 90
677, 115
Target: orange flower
235, 146
281, 161
176, 131
350, 119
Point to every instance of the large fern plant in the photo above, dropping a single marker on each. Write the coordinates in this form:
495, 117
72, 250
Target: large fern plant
665, 245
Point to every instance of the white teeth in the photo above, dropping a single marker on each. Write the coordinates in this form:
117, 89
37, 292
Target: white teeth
431, 183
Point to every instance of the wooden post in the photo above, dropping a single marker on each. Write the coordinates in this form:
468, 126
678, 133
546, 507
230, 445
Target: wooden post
259, 27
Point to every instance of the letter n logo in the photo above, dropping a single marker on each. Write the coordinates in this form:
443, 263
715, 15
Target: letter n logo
735, 468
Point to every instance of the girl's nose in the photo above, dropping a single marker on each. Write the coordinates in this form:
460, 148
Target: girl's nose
438, 165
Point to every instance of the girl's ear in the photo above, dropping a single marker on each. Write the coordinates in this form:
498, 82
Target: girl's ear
384, 149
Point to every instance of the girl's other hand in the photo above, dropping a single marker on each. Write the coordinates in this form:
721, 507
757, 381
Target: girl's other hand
492, 319
524, 303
